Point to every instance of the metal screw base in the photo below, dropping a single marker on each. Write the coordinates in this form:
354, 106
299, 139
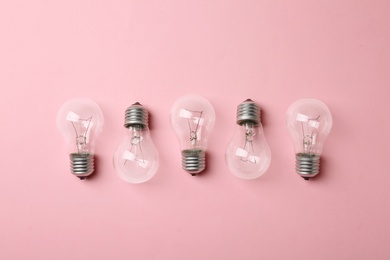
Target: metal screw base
193, 161
81, 165
136, 114
307, 165
248, 111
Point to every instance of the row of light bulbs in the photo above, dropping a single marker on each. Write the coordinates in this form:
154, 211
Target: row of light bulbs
192, 117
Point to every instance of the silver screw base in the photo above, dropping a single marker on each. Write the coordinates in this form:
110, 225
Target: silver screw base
248, 112
193, 161
81, 165
136, 114
307, 165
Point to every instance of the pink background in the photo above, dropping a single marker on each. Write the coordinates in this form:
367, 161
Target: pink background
118, 52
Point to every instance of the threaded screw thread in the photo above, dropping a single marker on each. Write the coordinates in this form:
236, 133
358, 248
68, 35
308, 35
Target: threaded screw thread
193, 161
81, 165
248, 111
136, 114
307, 165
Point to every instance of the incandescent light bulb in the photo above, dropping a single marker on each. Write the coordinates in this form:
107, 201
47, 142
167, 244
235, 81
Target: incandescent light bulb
80, 121
136, 158
309, 122
248, 155
192, 118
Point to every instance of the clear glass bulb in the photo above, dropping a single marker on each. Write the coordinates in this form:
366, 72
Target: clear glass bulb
80, 121
136, 158
192, 118
309, 122
248, 155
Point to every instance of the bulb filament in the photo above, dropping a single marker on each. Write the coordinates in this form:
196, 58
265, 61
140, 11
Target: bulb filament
248, 145
135, 153
83, 126
309, 132
195, 121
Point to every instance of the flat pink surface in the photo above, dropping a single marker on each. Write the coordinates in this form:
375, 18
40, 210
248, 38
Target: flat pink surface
119, 52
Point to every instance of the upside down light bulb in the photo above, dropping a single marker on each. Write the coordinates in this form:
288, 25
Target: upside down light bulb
136, 158
309, 122
80, 121
248, 155
192, 118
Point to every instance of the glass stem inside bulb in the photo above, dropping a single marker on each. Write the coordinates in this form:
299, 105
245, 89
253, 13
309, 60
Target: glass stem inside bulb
250, 132
81, 144
194, 126
309, 132
135, 152
82, 128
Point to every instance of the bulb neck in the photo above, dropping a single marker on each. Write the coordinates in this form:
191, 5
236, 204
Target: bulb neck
193, 161
136, 115
248, 112
307, 165
81, 165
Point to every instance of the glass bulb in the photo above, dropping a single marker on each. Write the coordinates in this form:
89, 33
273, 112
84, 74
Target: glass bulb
248, 155
309, 122
136, 158
192, 118
80, 121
